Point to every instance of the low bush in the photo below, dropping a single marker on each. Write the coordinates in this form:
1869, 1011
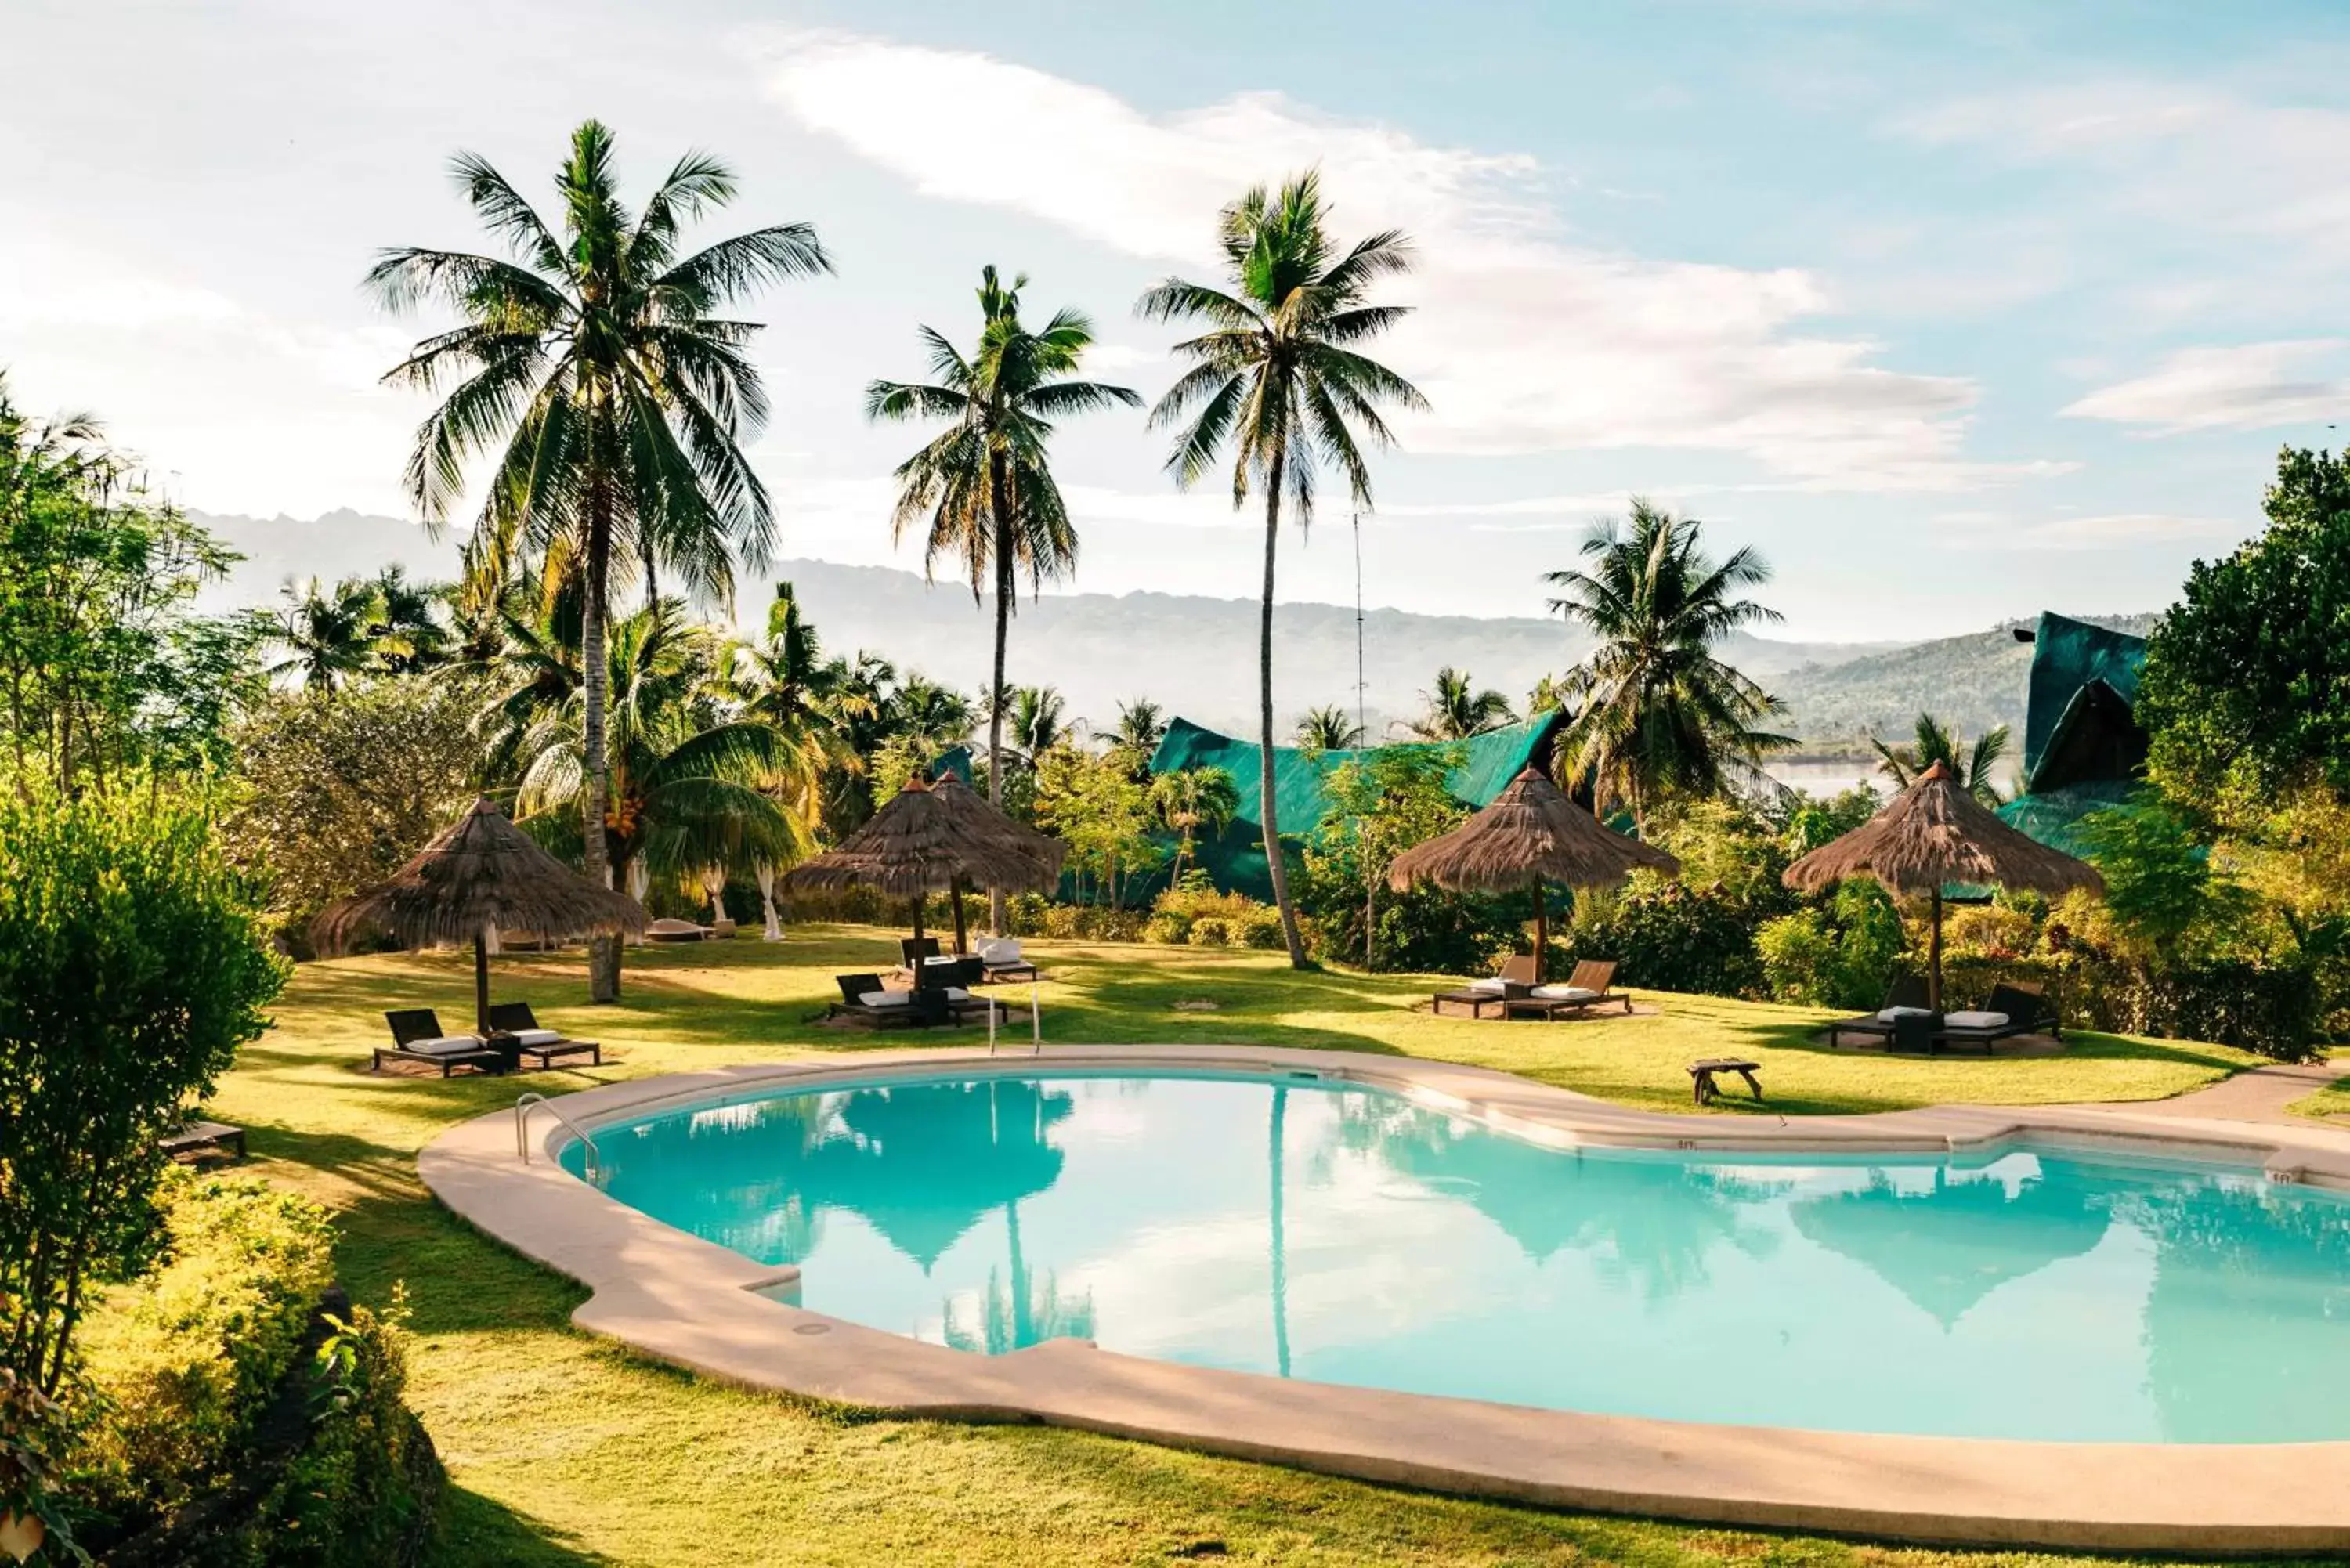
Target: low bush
1838, 954
1672, 938
1210, 932
221, 1416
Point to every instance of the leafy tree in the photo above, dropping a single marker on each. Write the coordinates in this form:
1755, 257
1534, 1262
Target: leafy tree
597, 364
1659, 713
1105, 817
1279, 377
2160, 880
1549, 695
335, 790
103, 665
1382, 803
1840, 953
1455, 710
1189, 799
2246, 689
983, 488
131, 968
1328, 729
1939, 742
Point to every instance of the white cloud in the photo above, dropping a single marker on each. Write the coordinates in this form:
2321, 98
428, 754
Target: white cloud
1526, 340
2251, 385
2109, 531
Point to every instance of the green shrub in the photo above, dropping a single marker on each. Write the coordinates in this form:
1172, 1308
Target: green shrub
1173, 930
1838, 954
178, 1364
1211, 931
1672, 938
1259, 927
132, 965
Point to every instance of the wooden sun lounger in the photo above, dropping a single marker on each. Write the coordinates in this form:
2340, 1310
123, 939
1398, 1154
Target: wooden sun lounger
412, 1025
514, 1020
1586, 989
1907, 990
2028, 1013
1517, 975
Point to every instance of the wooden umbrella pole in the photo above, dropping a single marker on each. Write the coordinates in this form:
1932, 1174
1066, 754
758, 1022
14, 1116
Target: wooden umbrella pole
481, 984
1541, 931
1934, 955
954, 892
918, 917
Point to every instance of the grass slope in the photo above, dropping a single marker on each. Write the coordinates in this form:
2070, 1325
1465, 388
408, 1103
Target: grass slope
566, 1449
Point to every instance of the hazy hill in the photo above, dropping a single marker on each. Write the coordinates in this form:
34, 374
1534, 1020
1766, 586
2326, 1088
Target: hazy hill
1197, 656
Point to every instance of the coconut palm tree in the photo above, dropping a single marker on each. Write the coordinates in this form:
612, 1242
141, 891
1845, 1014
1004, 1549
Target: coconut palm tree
1279, 380
1548, 696
1456, 709
1142, 725
1036, 721
595, 363
1658, 710
409, 632
688, 779
1939, 742
329, 634
1330, 729
1189, 799
782, 681
983, 489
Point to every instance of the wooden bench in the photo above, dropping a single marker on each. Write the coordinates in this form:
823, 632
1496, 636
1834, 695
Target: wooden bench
1701, 1075
197, 1138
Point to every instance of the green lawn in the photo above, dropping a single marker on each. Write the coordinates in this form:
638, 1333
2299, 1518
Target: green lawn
567, 1449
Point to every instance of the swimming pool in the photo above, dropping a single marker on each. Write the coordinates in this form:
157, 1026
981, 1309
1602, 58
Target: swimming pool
1341, 1233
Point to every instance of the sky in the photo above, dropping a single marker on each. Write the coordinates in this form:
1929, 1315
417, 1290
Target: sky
1954, 312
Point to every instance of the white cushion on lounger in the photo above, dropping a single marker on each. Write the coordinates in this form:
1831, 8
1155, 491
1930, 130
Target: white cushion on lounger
1565, 994
443, 1045
1493, 983
1975, 1020
537, 1037
1890, 1013
1000, 950
886, 997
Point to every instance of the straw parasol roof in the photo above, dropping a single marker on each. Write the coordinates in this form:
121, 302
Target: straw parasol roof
482, 873
928, 840
1530, 833
1933, 834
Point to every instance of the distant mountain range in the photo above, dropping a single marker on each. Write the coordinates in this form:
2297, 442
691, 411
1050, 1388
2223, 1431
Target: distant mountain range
1197, 656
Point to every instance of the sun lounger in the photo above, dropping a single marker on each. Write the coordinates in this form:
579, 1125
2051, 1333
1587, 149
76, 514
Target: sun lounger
513, 1020
1586, 989
913, 950
1904, 998
1002, 960
864, 998
2011, 1010
1517, 977
416, 1037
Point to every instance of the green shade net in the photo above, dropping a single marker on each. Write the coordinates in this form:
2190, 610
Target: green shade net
1234, 858
2078, 704
955, 759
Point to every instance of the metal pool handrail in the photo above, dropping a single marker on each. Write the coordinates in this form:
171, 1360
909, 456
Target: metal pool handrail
522, 1130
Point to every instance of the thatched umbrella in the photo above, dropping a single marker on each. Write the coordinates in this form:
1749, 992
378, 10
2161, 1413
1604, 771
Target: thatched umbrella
936, 838
1531, 834
1936, 833
482, 875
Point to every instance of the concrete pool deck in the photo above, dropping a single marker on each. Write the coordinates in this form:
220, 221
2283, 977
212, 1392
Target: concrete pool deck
696, 1304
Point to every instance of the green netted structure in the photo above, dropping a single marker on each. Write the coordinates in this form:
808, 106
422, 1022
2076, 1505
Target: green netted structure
2082, 746
1234, 859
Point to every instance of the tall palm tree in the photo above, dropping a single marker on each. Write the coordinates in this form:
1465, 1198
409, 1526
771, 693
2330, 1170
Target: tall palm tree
329, 634
1456, 709
1659, 713
1189, 799
1278, 378
782, 681
1142, 725
983, 489
1939, 742
1548, 696
1036, 721
593, 361
408, 633
1329, 729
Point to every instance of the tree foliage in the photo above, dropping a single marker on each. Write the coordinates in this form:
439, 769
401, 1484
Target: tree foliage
132, 966
2246, 689
1454, 709
336, 789
1935, 742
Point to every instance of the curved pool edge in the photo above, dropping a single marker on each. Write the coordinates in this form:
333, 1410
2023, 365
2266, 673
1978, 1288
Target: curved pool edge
690, 1303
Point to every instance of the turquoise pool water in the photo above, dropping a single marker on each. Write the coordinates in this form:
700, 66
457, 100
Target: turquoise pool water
1343, 1234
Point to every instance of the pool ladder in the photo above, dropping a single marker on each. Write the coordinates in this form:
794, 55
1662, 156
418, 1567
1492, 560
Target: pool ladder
522, 1132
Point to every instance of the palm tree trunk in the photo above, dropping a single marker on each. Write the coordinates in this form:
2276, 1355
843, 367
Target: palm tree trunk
1267, 812
603, 951
999, 506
